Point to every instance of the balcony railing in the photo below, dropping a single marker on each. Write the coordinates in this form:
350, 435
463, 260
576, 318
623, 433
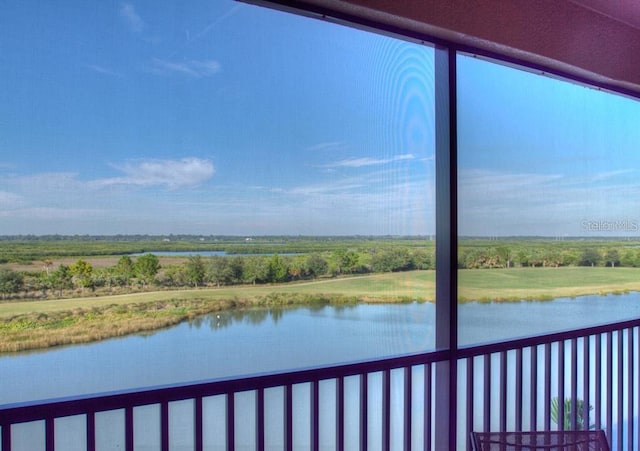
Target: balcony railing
385, 404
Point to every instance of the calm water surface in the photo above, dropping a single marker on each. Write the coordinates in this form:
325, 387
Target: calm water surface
259, 341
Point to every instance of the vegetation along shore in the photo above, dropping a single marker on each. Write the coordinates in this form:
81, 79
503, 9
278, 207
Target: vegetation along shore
102, 289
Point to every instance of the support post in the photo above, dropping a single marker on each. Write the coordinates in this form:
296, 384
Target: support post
446, 247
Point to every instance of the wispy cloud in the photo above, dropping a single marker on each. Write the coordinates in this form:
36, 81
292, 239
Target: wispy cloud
10, 200
367, 161
131, 18
174, 174
213, 24
328, 146
103, 70
191, 68
527, 203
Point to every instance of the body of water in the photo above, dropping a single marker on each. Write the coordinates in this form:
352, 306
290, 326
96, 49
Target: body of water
257, 341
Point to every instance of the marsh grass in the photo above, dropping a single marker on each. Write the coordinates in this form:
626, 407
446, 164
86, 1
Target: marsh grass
28, 325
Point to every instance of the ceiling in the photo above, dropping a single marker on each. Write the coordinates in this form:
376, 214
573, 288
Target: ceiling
597, 41
625, 11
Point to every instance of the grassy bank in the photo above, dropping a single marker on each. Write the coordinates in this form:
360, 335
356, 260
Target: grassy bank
544, 283
40, 324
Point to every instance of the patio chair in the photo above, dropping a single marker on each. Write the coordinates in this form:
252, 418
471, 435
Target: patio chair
593, 440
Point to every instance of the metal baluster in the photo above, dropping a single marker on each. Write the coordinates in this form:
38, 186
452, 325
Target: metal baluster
364, 415
547, 387
573, 419
288, 417
260, 418
428, 399
518, 400
609, 391
340, 413
586, 356
386, 410
561, 412
231, 422
533, 414
470, 406
315, 415
407, 407
503, 391
128, 428
487, 393
630, 363
164, 426
198, 428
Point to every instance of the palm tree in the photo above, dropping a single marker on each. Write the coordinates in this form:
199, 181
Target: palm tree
581, 421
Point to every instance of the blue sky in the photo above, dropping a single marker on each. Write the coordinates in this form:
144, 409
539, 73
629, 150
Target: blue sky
539, 156
217, 117
208, 117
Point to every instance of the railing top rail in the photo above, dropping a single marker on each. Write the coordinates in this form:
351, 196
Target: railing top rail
37, 410
554, 337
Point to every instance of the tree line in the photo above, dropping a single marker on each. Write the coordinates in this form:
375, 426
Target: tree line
196, 271
546, 256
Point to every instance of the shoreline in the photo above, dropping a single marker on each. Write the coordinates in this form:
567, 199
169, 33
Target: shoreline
41, 331
40, 324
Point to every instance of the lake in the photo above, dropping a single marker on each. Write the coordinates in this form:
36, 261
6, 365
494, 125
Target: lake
239, 343
256, 341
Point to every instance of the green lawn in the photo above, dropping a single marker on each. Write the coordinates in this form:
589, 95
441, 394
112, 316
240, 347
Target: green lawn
41, 324
545, 283
481, 284
381, 287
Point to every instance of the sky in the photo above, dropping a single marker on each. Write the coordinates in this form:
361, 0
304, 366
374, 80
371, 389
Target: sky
208, 117
220, 118
543, 157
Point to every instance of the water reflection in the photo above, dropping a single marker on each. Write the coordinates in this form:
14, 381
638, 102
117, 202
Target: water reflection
258, 316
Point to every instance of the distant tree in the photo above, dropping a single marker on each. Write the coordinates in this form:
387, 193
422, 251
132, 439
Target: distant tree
276, 269
11, 282
630, 259
388, 260
612, 257
422, 259
254, 269
61, 279
173, 276
82, 274
218, 271
589, 257
146, 268
316, 265
236, 268
297, 268
195, 271
504, 256
47, 264
349, 261
125, 269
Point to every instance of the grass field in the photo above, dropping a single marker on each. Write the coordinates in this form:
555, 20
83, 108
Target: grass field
39, 324
545, 283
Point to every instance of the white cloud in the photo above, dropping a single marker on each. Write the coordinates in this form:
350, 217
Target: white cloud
10, 200
367, 161
502, 203
131, 17
184, 173
328, 146
191, 68
103, 70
